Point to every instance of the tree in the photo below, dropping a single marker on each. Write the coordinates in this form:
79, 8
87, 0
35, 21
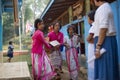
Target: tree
8, 27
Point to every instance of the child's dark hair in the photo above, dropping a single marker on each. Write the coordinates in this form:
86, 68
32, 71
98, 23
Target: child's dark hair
36, 23
54, 23
70, 26
10, 42
91, 15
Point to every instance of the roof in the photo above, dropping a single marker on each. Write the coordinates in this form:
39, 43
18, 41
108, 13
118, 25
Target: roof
55, 8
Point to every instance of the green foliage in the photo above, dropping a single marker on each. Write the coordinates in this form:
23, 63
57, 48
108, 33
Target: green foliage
11, 33
8, 28
28, 14
33, 9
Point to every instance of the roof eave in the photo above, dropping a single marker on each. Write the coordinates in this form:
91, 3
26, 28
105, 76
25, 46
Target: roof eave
46, 9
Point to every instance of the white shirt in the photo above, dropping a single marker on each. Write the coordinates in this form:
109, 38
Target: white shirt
91, 30
104, 19
68, 41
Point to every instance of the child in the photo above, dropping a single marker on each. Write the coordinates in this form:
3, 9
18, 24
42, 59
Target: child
91, 45
70, 43
41, 66
10, 51
55, 56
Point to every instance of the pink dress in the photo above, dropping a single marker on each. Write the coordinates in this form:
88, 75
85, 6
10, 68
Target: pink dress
41, 66
55, 56
72, 57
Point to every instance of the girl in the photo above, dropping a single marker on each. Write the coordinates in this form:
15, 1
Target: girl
10, 51
106, 65
55, 56
91, 45
71, 42
41, 66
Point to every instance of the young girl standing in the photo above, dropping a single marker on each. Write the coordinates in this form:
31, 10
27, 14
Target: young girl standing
41, 66
71, 42
91, 50
55, 56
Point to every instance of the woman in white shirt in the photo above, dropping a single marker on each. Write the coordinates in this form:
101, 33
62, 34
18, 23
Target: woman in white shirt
90, 40
106, 65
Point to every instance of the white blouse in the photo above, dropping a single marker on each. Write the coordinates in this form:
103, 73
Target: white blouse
68, 41
104, 19
91, 30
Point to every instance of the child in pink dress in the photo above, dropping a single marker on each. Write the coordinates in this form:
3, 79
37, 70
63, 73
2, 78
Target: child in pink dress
41, 66
55, 56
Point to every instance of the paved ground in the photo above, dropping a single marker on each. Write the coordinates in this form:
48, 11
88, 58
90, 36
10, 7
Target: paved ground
82, 74
65, 76
14, 71
82, 71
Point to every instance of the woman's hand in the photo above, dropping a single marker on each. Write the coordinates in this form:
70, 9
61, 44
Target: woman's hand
57, 47
47, 39
97, 53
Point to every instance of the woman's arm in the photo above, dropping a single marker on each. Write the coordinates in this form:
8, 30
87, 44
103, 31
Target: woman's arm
41, 37
101, 38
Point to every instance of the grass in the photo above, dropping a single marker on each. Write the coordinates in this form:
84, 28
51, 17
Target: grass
26, 43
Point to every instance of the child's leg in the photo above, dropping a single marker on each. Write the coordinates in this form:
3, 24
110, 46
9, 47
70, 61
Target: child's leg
9, 59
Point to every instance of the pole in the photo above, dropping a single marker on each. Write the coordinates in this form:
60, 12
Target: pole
23, 11
20, 43
1, 34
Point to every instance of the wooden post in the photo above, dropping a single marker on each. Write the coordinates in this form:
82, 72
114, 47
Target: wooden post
87, 6
23, 11
70, 14
15, 6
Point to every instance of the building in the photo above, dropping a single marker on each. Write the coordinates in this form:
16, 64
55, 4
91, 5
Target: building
74, 12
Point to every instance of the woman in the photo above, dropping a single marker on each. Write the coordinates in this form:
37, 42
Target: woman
55, 56
10, 51
106, 65
71, 42
90, 40
41, 66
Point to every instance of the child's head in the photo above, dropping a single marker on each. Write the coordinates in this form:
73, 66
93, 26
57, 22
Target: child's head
98, 2
70, 29
56, 26
38, 24
91, 15
10, 42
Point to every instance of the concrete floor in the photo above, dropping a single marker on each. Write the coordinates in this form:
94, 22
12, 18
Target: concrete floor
14, 71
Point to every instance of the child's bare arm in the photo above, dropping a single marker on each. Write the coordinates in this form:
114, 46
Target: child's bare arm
90, 38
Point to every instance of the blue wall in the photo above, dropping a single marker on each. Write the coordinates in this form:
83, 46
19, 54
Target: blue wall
116, 10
